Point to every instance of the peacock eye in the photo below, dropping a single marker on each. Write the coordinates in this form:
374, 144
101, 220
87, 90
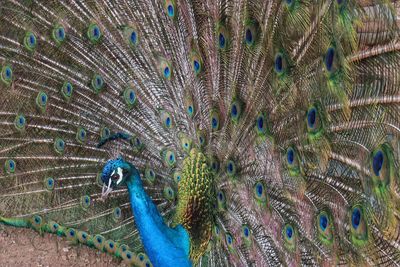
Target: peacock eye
115, 177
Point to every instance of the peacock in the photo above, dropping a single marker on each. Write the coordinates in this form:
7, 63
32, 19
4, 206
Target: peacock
204, 132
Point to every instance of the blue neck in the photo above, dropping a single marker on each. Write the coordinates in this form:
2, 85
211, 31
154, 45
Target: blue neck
164, 246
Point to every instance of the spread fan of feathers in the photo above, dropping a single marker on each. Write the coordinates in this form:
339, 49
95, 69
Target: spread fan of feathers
268, 129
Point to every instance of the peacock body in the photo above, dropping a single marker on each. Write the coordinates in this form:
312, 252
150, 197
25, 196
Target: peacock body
205, 133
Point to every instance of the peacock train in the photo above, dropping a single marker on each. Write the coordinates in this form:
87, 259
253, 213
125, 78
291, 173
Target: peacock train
204, 132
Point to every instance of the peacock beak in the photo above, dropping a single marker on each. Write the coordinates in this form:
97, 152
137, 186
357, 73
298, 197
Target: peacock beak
106, 190
116, 177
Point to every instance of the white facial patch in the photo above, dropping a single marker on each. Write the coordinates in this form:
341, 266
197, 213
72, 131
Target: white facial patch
119, 171
107, 188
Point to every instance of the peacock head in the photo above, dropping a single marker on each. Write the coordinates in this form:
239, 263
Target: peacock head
114, 175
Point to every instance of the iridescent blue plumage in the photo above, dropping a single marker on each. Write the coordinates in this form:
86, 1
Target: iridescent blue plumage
164, 246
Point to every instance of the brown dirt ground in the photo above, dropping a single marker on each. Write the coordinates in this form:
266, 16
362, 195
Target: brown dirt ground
25, 247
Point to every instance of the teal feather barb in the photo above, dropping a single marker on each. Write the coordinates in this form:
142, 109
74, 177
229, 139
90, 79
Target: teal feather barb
264, 133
